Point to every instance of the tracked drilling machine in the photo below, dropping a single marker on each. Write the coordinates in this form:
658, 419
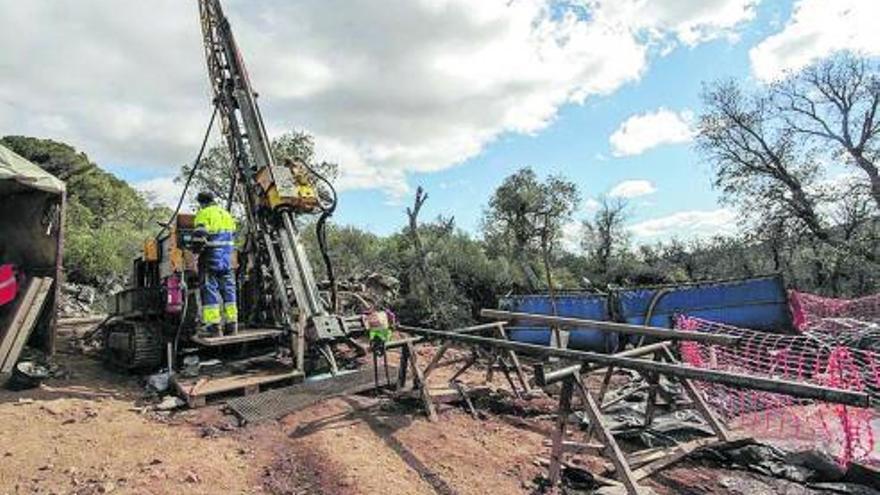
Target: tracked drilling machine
280, 300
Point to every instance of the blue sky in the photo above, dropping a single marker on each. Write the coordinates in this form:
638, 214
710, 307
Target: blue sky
452, 95
577, 145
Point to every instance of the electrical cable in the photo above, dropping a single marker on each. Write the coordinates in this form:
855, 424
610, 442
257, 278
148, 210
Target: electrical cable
192, 172
184, 290
189, 178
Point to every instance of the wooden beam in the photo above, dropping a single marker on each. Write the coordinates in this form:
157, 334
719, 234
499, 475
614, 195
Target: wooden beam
736, 380
591, 407
436, 359
672, 456
419, 380
514, 359
558, 437
700, 404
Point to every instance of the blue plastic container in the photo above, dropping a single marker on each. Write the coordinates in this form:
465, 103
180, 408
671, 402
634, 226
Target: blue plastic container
586, 306
758, 304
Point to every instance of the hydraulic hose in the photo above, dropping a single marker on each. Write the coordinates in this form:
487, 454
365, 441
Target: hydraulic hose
321, 232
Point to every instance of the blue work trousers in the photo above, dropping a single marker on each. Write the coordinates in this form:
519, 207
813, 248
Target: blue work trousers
218, 297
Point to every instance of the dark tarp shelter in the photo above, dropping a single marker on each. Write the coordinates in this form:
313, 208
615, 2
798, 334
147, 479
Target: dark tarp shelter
32, 203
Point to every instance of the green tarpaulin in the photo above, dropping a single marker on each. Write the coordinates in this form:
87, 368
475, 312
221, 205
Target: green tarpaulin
25, 174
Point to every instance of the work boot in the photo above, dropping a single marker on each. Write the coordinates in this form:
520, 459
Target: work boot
210, 331
231, 328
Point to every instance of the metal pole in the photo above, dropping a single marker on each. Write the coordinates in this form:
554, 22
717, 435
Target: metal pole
785, 387
472, 329
608, 326
546, 377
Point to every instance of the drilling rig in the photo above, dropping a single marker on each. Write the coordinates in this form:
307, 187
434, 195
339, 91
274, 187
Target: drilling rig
154, 320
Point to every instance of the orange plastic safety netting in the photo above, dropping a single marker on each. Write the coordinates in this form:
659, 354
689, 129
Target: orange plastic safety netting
828, 355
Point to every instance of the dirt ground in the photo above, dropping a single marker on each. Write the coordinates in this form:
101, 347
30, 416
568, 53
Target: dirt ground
89, 433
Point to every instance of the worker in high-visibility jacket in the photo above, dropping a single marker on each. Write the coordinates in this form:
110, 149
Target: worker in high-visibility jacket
217, 278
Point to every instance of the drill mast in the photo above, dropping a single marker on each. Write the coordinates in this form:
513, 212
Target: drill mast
272, 196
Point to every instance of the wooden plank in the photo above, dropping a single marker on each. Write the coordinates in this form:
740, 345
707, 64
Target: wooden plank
622, 470
241, 337
700, 404
419, 379
31, 315
16, 318
514, 359
195, 392
463, 392
642, 457
671, 457
472, 360
27, 327
558, 437
578, 447
436, 359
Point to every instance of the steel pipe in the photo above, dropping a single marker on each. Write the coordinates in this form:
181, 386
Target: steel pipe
545, 377
785, 387
609, 326
471, 329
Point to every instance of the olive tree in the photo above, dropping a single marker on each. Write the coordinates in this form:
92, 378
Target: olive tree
525, 217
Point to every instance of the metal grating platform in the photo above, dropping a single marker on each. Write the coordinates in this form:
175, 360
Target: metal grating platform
276, 403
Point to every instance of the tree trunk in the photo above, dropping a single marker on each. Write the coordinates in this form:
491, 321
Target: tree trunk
873, 176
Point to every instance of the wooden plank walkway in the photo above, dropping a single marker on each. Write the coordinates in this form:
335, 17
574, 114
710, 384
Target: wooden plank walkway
197, 391
243, 336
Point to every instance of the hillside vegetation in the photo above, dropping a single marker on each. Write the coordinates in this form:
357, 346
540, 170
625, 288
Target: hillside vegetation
107, 219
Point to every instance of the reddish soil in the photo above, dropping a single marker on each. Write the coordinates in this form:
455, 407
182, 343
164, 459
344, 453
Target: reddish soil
87, 433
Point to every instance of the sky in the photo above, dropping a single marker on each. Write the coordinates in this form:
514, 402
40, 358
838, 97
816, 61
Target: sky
452, 95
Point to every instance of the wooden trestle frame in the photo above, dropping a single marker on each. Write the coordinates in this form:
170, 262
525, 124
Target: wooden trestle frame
573, 385
658, 360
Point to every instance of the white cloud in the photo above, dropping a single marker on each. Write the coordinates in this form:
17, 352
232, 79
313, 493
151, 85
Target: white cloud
592, 205
818, 28
686, 224
644, 131
161, 190
572, 234
632, 189
690, 21
389, 88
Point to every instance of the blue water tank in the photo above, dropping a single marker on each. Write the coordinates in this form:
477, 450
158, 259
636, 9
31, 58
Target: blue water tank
757, 303
580, 305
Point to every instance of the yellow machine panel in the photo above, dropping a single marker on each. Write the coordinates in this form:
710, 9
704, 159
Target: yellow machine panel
288, 185
151, 250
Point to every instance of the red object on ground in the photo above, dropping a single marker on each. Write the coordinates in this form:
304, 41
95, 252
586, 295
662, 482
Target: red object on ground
8, 284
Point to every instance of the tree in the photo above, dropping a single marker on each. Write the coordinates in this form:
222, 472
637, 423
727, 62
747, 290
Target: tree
832, 105
427, 258
525, 217
606, 236
214, 172
763, 165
